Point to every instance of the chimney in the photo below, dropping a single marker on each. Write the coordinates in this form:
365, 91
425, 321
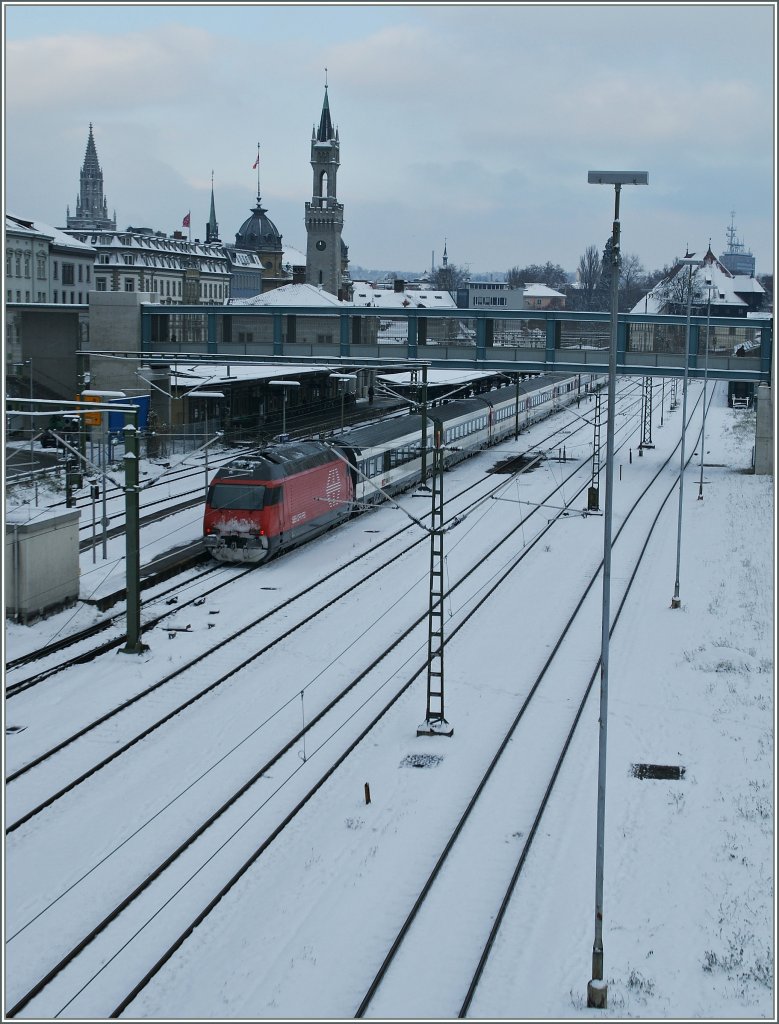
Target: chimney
399, 285
298, 275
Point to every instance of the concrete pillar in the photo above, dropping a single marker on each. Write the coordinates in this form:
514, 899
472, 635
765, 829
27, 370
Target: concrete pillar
764, 433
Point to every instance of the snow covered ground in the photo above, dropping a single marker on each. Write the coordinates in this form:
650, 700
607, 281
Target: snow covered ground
689, 926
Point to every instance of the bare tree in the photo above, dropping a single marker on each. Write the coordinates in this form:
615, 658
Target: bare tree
767, 282
674, 289
632, 277
550, 274
589, 273
449, 279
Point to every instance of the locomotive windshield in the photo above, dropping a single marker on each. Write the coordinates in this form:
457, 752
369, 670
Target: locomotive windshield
237, 496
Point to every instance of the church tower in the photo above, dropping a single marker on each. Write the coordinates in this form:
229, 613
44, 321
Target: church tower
91, 207
324, 214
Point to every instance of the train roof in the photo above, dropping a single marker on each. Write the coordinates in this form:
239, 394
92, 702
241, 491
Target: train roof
278, 461
384, 432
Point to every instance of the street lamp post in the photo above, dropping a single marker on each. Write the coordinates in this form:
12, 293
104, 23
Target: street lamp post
690, 263
705, 382
285, 384
343, 377
597, 990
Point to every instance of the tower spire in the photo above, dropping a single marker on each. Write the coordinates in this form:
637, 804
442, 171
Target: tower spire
91, 205
212, 228
325, 133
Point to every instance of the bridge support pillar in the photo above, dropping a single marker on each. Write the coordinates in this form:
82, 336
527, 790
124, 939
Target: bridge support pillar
764, 432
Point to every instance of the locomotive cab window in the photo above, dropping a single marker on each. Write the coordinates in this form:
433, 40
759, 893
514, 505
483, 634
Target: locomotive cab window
237, 496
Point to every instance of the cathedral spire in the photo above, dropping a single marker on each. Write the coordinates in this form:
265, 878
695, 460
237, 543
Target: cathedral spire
212, 228
91, 205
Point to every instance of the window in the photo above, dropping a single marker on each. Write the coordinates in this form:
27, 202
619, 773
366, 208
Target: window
41, 268
103, 258
18, 296
240, 496
81, 272
55, 270
89, 274
100, 284
129, 284
56, 296
68, 273
18, 264
41, 296
129, 260
26, 296
26, 264
9, 258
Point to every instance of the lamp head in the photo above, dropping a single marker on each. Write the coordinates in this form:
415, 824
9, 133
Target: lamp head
618, 177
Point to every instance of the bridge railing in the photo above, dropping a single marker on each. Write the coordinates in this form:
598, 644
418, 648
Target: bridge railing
541, 339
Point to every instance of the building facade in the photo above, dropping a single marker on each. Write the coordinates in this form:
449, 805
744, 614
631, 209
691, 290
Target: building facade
737, 258
44, 264
142, 260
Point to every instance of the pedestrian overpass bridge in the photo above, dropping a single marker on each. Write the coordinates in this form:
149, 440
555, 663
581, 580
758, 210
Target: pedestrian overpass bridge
508, 341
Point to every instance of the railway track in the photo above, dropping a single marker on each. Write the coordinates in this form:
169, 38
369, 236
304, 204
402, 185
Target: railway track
53, 649
479, 838
285, 751
420, 958
196, 663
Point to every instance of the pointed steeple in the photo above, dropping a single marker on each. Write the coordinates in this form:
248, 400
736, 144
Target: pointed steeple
325, 133
91, 205
212, 228
446, 258
91, 163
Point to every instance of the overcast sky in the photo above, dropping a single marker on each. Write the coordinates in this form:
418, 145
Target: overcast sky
471, 123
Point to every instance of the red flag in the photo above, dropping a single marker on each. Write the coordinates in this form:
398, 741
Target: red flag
185, 222
254, 165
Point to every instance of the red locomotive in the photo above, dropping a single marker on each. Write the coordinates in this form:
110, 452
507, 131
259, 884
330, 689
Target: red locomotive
289, 493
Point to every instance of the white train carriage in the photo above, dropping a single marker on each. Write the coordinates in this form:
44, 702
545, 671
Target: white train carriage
388, 455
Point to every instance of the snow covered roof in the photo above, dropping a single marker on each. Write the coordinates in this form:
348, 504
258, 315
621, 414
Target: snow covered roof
539, 291
58, 237
745, 285
725, 288
20, 227
193, 376
365, 294
292, 295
